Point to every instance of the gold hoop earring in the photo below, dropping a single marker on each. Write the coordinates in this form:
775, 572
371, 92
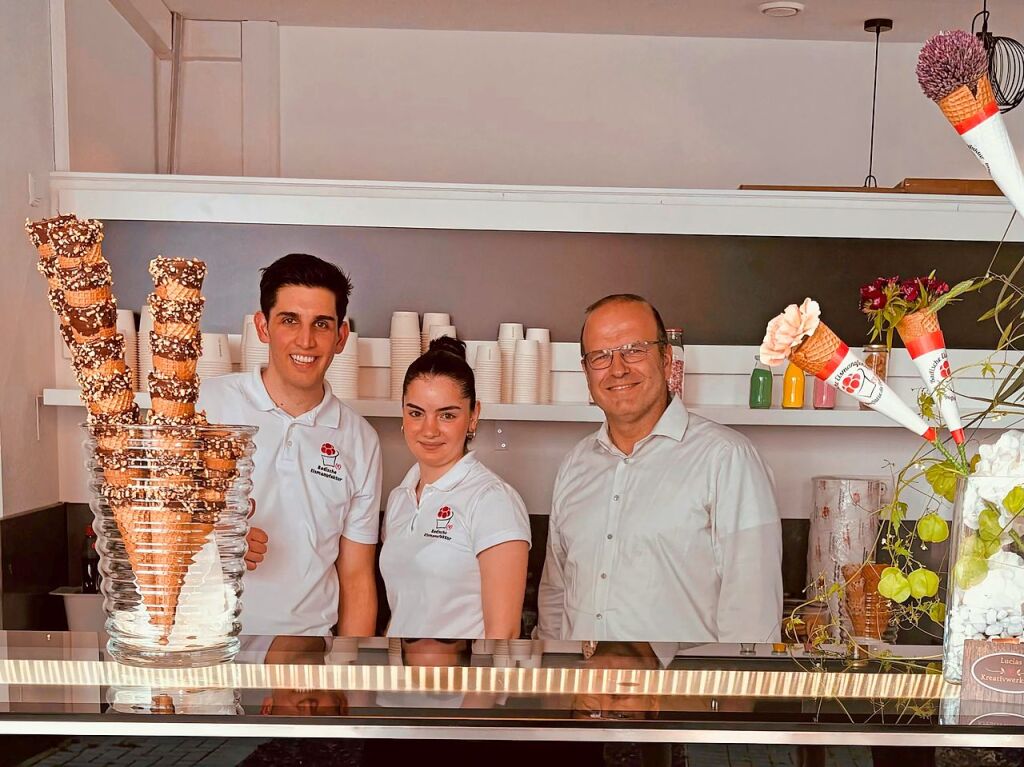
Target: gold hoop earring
470, 436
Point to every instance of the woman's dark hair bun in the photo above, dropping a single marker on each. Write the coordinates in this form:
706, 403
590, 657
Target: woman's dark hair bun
450, 345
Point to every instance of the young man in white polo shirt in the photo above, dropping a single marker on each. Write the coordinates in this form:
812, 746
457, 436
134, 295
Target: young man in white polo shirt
317, 477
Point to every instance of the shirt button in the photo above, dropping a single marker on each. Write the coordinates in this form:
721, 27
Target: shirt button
610, 536
604, 575
289, 443
615, 497
599, 616
627, 460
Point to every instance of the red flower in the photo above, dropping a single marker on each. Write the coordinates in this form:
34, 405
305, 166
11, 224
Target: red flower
911, 290
872, 298
934, 287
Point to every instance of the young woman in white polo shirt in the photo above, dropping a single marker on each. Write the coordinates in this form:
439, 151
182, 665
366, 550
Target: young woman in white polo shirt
456, 536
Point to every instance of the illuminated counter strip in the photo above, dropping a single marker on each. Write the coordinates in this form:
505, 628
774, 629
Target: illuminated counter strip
719, 683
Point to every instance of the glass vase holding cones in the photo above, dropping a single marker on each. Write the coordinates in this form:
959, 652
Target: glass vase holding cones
170, 505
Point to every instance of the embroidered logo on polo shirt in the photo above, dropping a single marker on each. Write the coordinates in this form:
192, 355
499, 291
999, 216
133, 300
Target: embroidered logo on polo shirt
328, 461
328, 454
443, 524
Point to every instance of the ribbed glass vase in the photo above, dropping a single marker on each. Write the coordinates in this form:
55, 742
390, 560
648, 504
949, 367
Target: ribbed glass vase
170, 505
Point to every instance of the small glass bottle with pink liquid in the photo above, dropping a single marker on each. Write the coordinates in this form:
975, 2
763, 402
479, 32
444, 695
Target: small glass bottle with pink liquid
675, 380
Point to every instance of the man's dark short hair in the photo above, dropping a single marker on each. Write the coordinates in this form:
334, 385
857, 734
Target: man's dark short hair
624, 298
305, 271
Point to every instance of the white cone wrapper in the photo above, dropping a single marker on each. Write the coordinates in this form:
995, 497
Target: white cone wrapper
929, 355
991, 144
848, 373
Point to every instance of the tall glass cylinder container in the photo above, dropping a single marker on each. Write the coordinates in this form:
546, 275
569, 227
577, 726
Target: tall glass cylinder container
677, 376
170, 506
985, 593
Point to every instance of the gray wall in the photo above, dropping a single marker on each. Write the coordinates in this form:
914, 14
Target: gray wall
721, 290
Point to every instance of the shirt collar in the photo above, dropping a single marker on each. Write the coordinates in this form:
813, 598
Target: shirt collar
326, 413
672, 424
447, 481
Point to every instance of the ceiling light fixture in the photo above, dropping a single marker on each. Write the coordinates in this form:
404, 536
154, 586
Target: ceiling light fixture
878, 26
780, 9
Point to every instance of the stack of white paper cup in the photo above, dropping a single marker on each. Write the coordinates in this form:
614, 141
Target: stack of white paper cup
508, 334
525, 385
255, 353
543, 338
216, 357
343, 374
436, 331
405, 347
429, 320
487, 372
145, 348
126, 327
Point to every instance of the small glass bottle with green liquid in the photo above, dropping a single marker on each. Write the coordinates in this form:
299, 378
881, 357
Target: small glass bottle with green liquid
760, 386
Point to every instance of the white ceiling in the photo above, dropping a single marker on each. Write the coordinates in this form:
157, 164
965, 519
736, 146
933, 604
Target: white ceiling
915, 20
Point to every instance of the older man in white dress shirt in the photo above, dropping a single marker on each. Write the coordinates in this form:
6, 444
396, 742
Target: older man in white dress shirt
663, 524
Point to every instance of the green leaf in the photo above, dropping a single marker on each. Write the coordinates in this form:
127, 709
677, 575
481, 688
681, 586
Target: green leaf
998, 307
1014, 501
897, 513
931, 528
974, 462
989, 528
970, 571
942, 477
894, 585
937, 612
923, 583
926, 404
988, 371
957, 290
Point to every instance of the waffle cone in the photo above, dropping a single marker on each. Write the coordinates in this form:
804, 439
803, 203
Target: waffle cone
53, 283
118, 403
94, 255
226, 465
213, 495
83, 298
46, 251
815, 352
175, 291
176, 329
171, 546
173, 410
962, 104
180, 369
69, 260
105, 331
122, 477
107, 369
917, 324
868, 611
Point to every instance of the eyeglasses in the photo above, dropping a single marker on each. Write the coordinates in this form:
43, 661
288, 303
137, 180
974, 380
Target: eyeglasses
632, 353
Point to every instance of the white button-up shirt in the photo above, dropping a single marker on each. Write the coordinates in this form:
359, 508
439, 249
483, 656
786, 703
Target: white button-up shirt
679, 541
317, 477
429, 557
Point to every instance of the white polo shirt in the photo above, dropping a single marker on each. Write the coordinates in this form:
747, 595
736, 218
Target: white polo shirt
680, 541
317, 477
429, 557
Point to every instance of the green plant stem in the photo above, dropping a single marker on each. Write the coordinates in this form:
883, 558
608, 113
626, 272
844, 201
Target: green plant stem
960, 466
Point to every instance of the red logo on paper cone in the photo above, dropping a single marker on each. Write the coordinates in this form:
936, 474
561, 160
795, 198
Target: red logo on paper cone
852, 383
328, 454
445, 518
944, 371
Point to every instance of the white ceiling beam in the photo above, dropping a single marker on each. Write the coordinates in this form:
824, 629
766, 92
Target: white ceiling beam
151, 21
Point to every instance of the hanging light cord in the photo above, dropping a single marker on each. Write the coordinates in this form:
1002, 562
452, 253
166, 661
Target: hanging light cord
870, 180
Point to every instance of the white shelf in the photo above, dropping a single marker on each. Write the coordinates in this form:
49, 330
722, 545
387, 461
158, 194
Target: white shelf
533, 208
584, 413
